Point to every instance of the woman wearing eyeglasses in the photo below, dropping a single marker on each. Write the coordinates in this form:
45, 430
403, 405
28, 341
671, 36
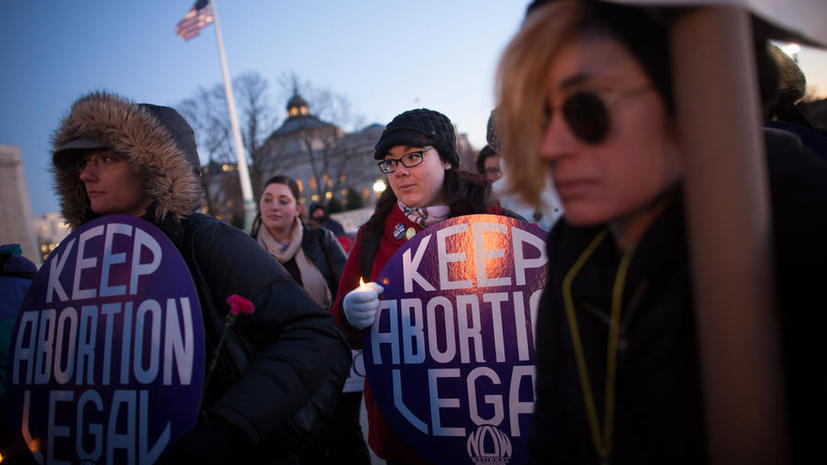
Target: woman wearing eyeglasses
418, 153
584, 90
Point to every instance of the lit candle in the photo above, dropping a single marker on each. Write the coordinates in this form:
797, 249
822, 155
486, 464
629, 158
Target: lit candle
362, 284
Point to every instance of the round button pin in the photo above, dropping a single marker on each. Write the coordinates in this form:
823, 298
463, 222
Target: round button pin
398, 231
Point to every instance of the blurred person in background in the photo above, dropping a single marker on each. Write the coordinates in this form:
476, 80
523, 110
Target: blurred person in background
319, 217
782, 111
16, 274
545, 212
488, 164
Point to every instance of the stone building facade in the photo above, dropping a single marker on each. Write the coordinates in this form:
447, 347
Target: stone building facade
15, 206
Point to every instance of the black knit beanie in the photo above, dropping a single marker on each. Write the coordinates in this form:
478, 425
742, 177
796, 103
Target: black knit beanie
419, 128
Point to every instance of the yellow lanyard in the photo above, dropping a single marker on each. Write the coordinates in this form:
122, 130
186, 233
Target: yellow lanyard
602, 442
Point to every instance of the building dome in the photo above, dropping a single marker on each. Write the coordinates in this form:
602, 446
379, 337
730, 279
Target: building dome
299, 117
296, 106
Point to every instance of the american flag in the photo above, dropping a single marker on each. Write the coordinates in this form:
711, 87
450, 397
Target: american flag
196, 19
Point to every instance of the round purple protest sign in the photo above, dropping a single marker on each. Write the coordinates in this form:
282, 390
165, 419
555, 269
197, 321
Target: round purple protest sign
107, 354
450, 358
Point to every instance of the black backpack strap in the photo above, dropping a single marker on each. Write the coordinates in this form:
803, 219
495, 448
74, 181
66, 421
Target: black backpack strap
369, 249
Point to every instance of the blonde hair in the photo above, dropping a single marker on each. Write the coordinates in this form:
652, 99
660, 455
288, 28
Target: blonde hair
522, 92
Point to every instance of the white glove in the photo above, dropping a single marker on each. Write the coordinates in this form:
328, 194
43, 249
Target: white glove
360, 305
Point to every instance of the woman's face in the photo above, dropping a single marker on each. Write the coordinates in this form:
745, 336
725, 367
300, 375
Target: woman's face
279, 208
618, 176
112, 184
420, 185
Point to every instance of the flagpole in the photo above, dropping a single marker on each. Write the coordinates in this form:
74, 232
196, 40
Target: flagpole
243, 173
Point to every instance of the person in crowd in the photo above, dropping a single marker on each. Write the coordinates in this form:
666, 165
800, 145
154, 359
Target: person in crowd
314, 258
418, 153
792, 87
111, 155
320, 217
311, 255
585, 95
781, 110
488, 164
545, 212
16, 274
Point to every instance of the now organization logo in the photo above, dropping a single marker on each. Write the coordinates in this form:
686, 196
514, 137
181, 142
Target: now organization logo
487, 445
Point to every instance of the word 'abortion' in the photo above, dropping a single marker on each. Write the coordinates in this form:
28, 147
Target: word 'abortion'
137, 336
62, 348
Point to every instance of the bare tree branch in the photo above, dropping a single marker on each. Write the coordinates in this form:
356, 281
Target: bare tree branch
207, 113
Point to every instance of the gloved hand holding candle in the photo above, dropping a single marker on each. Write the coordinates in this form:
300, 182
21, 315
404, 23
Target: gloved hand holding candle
360, 305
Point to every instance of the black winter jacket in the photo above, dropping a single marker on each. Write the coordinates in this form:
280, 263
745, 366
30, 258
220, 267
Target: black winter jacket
659, 414
276, 358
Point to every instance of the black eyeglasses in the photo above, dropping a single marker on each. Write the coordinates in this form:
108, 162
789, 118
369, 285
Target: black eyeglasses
587, 112
409, 160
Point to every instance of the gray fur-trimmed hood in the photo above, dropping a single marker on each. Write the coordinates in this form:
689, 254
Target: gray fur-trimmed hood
156, 140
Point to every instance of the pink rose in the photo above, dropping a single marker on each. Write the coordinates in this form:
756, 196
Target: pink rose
239, 304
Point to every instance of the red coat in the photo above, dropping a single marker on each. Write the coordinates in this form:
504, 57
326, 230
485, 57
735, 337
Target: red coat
384, 442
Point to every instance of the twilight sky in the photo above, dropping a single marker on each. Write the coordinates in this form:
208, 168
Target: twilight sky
385, 57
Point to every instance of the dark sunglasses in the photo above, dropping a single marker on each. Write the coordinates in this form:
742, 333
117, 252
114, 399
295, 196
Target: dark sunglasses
587, 112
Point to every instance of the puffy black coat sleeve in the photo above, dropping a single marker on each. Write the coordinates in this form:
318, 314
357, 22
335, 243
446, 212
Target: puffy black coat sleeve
291, 337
